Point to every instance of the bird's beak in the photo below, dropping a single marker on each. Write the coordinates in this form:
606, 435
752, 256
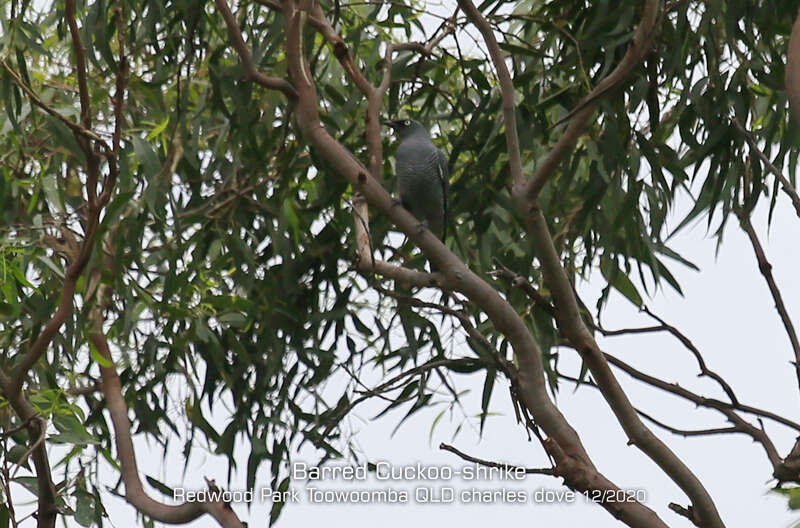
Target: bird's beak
393, 124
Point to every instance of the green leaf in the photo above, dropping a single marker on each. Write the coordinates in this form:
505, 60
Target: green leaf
160, 486
277, 506
71, 431
620, 281
5, 516
98, 357
486, 396
158, 129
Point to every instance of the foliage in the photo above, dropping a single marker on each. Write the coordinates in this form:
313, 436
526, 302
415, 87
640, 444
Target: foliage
228, 242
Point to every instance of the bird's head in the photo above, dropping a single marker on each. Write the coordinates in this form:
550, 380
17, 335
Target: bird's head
406, 127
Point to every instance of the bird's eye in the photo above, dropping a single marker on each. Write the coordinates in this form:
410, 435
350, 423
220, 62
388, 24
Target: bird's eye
407, 123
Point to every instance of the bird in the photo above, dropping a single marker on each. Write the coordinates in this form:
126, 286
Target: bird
423, 175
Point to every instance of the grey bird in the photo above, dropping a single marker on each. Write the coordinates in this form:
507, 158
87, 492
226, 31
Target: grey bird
423, 176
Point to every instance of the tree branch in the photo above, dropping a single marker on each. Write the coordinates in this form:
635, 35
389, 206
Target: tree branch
506, 89
250, 70
374, 95
567, 309
573, 327
118, 409
533, 391
488, 463
47, 510
786, 185
365, 260
685, 341
580, 115
766, 270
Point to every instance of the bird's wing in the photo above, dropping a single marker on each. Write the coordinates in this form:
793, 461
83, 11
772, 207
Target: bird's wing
444, 179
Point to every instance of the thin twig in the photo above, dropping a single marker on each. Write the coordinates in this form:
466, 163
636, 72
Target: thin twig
250, 70
766, 270
786, 186
500, 465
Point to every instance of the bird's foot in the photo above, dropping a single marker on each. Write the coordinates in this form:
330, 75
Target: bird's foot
421, 227
396, 202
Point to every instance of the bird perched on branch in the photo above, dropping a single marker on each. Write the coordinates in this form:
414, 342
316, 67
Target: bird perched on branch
423, 176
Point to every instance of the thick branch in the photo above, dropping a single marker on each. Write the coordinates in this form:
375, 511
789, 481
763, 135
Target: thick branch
567, 308
47, 510
341, 51
44, 339
573, 327
118, 409
533, 390
506, 89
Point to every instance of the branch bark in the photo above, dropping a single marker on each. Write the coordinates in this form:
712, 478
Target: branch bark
574, 329
95, 205
567, 312
572, 458
118, 409
766, 271
12, 388
506, 89
580, 115
250, 70
47, 511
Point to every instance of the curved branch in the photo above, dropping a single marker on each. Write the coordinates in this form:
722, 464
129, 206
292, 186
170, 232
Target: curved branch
118, 409
567, 309
250, 70
580, 115
573, 327
727, 410
47, 511
83, 135
374, 95
506, 89
579, 471
685, 341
